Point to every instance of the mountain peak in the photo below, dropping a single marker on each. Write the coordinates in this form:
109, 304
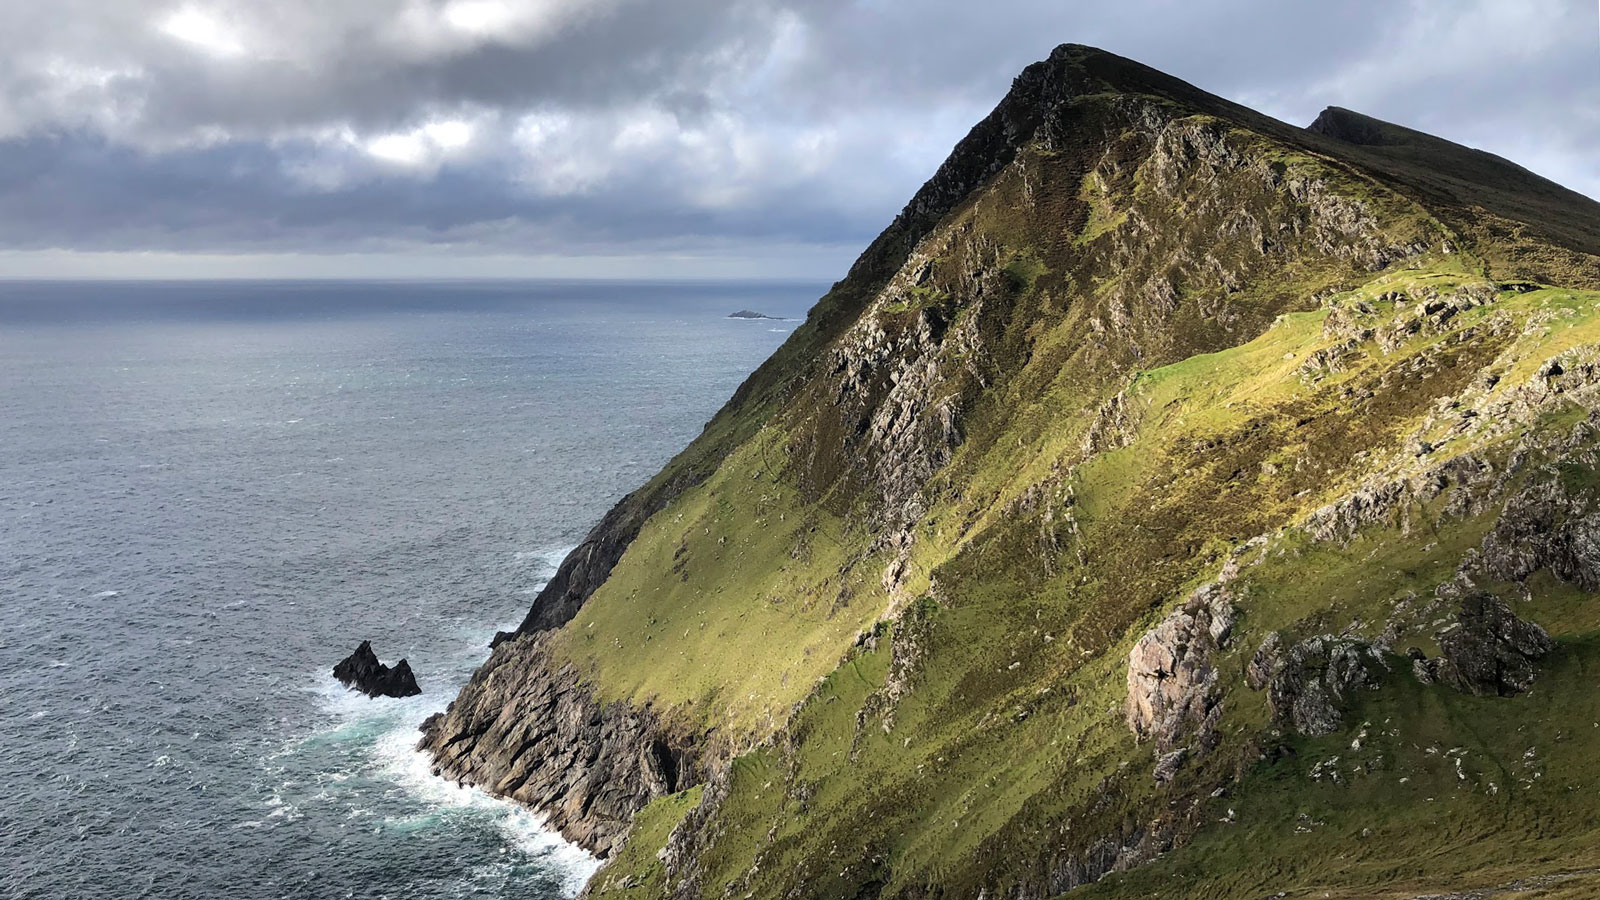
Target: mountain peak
1077, 51
1354, 128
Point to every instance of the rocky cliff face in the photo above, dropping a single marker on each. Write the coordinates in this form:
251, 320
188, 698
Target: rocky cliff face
528, 728
1103, 489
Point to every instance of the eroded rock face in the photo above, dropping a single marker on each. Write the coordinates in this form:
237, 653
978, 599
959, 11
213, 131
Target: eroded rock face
1488, 651
1544, 524
1172, 681
895, 371
1267, 662
529, 729
1312, 685
361, 671
1546, 527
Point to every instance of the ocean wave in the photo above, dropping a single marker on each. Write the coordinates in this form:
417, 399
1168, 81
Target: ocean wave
379, 738
522, 829
547, 559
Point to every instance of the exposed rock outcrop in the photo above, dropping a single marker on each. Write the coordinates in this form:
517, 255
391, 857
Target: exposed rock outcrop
528, 728
1173, 695
361, 671
682, 856
1544, 523
1314, 683
1546, 526
1489, 650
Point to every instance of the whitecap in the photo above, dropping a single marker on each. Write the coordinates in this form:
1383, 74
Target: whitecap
377, 739
523, 829
106, 595
548, 558
392, 725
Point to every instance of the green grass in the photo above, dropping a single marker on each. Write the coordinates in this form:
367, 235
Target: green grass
636, 873
730, 604
1403, 819
1014, 722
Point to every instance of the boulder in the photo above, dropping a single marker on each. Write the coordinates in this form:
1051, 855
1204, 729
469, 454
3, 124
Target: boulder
1489, 650
361, 671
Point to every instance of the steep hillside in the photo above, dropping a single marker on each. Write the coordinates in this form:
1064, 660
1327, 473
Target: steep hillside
1171, 502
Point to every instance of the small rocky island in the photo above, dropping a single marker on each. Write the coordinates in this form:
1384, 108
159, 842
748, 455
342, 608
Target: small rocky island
749, 314
361, 671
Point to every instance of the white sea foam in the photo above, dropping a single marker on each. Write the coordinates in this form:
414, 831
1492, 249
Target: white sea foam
389, 730
521, 828
106, 595
548, 558
382, 733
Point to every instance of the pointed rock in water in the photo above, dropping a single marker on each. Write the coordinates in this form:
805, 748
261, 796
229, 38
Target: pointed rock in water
361, 671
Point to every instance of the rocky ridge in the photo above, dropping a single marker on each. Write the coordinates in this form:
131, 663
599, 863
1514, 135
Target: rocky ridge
587, 765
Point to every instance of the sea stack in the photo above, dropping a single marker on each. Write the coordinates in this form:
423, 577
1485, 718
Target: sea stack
361, 671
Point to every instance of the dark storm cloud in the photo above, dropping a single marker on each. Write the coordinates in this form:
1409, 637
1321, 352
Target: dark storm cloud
638, 127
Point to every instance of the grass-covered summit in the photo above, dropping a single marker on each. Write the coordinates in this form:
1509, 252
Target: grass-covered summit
1172, 502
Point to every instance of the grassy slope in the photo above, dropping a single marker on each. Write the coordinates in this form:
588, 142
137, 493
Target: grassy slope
763, 569
982, 755
1131, 491
1036, 569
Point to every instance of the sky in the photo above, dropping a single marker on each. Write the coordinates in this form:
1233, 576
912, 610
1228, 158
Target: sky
653, 138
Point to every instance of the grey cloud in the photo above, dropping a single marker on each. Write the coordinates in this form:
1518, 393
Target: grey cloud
640, 126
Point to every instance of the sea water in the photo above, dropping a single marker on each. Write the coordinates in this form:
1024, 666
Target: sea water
211, 492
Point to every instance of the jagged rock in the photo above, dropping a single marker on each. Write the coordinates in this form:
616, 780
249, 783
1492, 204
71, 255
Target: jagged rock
527, 727
1315, 683
907, 647
1168, 764
1489, 650
1266, 662
1467, 478
1113, 425
683, 855
1172, 681
1544, 526
361, 671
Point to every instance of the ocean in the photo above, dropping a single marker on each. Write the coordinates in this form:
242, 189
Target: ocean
212, 492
